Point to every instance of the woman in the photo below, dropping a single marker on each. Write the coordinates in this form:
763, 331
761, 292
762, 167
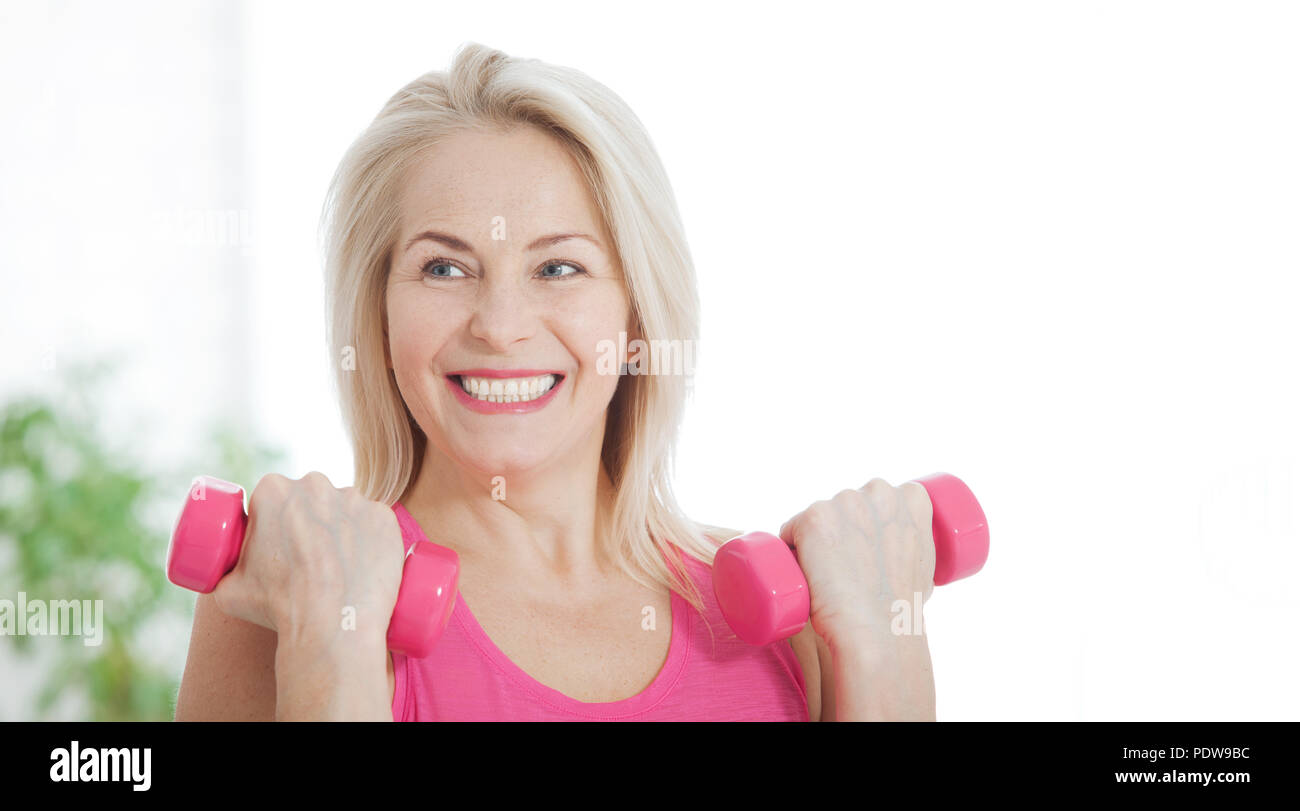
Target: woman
489, 235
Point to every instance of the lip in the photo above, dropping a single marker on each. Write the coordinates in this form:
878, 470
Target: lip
505, 372
485, 407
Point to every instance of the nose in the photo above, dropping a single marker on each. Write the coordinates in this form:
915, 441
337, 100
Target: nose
503, 314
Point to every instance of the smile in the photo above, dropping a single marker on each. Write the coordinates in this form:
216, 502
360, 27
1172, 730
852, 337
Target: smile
509, 389
504, 391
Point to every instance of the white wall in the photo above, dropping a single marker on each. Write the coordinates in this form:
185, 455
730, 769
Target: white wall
1047, 247
122, 162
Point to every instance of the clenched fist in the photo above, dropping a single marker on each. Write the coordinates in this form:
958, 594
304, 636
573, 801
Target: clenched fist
312, 552
860, 552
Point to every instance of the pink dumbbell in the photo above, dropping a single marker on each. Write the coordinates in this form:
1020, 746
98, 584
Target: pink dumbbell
762, 591
210, 532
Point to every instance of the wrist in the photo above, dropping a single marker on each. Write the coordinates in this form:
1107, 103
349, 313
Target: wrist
876, 627
883, 677
332, 624
857, 633
876, 646
342, 679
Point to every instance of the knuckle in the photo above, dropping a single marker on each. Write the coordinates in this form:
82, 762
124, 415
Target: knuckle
853, 504
819, 510
271, 481
916, 497
876, 487
883, 498
813, 519
846, 497
270, 486
316, 480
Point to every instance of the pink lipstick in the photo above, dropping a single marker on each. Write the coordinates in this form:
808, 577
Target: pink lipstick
486, 407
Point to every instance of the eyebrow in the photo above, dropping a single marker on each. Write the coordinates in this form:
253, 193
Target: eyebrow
458, 244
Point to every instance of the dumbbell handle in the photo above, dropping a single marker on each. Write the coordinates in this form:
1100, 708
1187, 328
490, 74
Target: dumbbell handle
764, 596
209, 535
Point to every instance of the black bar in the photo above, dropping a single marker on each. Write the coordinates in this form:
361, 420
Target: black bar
1044, 761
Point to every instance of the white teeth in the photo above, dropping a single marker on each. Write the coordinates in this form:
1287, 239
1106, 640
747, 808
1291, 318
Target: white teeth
511, 390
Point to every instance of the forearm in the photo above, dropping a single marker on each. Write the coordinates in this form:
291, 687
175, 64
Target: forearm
343, 681
882, 677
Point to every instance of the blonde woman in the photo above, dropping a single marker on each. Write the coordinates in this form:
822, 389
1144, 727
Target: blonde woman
501, 223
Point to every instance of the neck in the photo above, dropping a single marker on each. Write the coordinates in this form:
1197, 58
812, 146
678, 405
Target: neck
542, 523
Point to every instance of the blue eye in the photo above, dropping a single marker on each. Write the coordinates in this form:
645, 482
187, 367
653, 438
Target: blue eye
431, 268
549, 265
442, 269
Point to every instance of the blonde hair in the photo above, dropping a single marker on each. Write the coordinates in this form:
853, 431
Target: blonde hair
486, 88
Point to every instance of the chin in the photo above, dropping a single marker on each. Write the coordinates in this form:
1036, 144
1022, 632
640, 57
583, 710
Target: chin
501, 461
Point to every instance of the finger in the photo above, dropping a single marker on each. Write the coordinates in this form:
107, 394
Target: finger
917, 499
317, 479
230, 596
270, 487
786, 532
880, 495
875, 486
318, 488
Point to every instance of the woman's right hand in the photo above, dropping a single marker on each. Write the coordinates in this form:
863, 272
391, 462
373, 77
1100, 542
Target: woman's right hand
314, 557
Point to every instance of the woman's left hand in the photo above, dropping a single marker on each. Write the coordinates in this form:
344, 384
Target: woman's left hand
861, 552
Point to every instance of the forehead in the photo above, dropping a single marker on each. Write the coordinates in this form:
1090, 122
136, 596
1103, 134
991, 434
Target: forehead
523, 175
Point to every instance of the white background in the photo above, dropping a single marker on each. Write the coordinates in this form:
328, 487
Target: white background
1049, 247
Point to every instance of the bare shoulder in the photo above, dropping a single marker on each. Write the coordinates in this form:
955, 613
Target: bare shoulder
229, 671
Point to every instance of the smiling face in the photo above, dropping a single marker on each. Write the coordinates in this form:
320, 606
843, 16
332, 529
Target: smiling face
504, 278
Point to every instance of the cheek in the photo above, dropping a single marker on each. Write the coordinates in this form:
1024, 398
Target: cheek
413, 333
594, 342
597, 315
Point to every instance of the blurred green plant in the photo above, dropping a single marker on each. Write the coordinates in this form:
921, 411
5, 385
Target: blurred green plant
82, 518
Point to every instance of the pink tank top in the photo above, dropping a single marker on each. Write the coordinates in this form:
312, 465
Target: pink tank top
718, 678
